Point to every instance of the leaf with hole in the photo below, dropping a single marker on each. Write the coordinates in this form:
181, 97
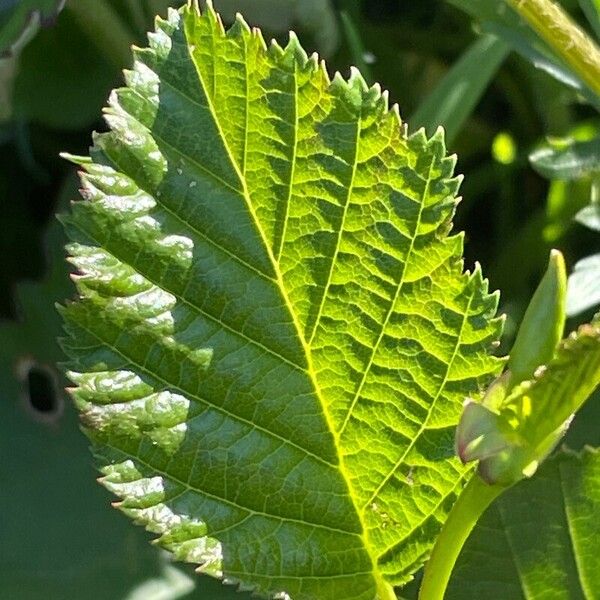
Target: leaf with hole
274, 333
72, 541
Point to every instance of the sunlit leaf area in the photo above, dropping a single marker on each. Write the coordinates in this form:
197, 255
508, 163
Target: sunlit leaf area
298, 299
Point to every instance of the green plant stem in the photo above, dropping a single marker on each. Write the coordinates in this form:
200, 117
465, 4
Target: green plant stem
471, 504
569, 41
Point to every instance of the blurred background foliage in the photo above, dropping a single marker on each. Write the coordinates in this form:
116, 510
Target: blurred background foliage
526, 134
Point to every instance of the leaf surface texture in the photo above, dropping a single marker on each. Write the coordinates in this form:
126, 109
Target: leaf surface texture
274, 334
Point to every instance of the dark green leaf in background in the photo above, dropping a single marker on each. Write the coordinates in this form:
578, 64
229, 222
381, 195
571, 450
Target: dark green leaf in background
540, 540
591, 9
453, 99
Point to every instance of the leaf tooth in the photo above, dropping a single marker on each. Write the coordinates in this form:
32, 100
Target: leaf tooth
145, 55
274, 49
418, 137
238, 29
143, 80
76, 159
98, 185
294, 48
214, 18
324, 72
394, 112
170, 23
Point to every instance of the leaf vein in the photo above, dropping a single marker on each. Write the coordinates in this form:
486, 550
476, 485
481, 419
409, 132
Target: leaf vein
194, 396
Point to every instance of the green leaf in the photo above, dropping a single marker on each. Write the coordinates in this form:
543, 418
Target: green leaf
590, 216
275, 333
20, 20
452, 101
540, 540
567, 160
583, 290
543, 324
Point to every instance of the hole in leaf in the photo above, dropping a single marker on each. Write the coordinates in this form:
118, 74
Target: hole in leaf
41, 394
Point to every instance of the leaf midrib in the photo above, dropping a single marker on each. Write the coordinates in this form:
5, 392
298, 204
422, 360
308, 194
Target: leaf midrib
306, 344
183, 391
190, 304
283, 291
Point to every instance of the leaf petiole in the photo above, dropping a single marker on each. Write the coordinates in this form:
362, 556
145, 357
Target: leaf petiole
471, 504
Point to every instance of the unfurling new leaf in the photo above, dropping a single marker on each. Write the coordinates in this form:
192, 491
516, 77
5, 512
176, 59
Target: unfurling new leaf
527, 410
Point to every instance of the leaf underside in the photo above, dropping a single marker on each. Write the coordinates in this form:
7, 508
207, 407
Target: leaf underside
274, 335
539, 540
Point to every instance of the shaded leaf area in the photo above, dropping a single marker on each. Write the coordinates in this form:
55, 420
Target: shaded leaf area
275, 333
58, 538
20, 19
540, 540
